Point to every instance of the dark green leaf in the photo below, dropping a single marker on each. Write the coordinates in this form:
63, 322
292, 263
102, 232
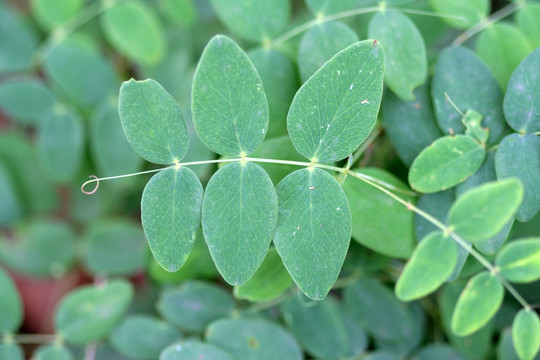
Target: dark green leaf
194, 305
53, 352
54, 13
314, 229
447, 162
336, 109
527, 20
239, 218
519, 156
437, 205
526, 334
89, 313
18, 42
519, 261
153, 122
230, 110
171, 214
11, 315
467, 12
11, 208
26, 101
253, 339
193, 350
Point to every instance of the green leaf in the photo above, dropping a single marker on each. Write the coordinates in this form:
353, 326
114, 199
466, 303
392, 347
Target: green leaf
26, 101
60, 143
526, 334
194, 305
143, 337
447, 162
193, 350
477, 304
502, 46
11, 315
314, 229
327, 7
320, 43
152, 122
171, 215
527, 20
54, 13
410, 137
405, 52
40, 249
436, 351
521, 102
115, 248
371, 209
89, 313
239, 217
519, 156
519, 261
253, 339
473, 124
336, 109
11, 208
135, 31
279, 78
253, 20
268, 282
52, 352
230, 110
318, 326
431, 263
11, 351
482, 212
18, 41
470, 12
82, 73
180, 12
437, 205
467, 81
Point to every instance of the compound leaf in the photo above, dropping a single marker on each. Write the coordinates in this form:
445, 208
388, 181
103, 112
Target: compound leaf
10, 305
193, 350
230, 110
336, 109
171, 215
153, 122
314, 229
526, 334
431, 263
477, 304
519, 261
445, 163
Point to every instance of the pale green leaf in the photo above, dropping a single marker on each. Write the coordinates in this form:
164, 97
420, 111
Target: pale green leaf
527, 20
54, 13
526, 334
89, 313
482, 212
473, 124
268, 282
180, 12
431, 263
447, 162
405, 52
153, 122
521, 101
135, 31
171, 215
253, 20
371, 209
519, 156
239, 217
194, 305
26, 101
230, 110
53, 352
193, 350
11, 315
467, 81
18, 42
519, 261
143, 337
253, 339
336, 109
314, 229
502, 46
320, 43
327, 7
11, 351
477, 304
11, 207
467, 12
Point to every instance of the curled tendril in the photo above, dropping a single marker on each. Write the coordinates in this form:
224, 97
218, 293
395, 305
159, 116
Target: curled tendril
94, 179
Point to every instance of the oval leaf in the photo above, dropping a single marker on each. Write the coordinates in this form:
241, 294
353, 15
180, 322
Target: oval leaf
239, 218
18, 42
26, 101
10, 305
336, 109
431, 263
467, 12
53, 13
11, 351
527, 20
11, 207
477, 304
314, 229
91, 312
445, 163
521, 102
482, 212
193, 350
153, 122
519, 261
526, 334
52, 352
405, 52
230, 110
